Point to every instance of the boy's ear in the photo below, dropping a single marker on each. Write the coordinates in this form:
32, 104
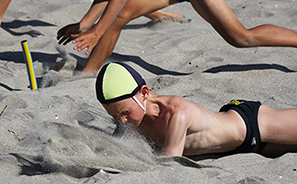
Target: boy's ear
144, 91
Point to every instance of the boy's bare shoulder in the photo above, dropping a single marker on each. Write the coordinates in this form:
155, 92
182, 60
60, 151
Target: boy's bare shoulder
174, 101
177, 105
174, 98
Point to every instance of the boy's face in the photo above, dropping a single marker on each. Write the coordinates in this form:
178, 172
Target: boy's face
126, 111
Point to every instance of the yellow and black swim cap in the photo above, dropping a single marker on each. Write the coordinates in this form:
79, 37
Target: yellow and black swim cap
117, 81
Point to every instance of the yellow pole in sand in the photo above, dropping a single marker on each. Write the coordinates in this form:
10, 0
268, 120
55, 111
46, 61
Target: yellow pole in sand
30, 65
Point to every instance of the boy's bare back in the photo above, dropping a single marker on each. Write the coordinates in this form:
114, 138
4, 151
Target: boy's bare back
181, 127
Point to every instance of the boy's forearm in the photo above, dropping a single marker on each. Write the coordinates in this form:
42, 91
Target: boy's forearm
93, 14
110, 13
174, 152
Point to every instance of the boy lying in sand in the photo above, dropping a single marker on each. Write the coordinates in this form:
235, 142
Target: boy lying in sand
182, 127
118, 13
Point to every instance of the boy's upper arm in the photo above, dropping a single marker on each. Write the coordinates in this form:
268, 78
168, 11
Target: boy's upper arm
175, 134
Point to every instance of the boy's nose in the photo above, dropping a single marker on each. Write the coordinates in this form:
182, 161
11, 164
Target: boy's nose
123, 120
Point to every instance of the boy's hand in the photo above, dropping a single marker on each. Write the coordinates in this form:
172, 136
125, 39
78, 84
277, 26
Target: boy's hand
87, 40
69, 33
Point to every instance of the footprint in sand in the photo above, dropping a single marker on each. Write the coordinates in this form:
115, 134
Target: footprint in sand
251, 10
164, 81
159, 24
14, 102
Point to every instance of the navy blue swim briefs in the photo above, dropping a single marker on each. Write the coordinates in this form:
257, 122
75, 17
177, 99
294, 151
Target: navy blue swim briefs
248, 110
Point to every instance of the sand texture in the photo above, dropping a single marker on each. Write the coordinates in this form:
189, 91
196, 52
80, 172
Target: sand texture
61, 134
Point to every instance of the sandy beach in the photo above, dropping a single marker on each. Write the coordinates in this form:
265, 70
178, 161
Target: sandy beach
59, 133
